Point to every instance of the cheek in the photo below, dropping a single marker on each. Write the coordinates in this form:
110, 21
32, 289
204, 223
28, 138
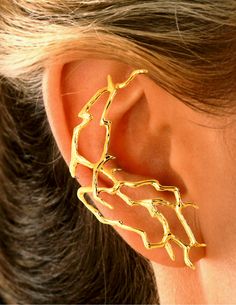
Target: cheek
205, 159
198, 155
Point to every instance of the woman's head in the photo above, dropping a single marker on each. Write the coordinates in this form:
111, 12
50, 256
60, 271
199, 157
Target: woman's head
56, 54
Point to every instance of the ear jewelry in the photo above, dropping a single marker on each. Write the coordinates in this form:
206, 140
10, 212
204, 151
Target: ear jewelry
116, 189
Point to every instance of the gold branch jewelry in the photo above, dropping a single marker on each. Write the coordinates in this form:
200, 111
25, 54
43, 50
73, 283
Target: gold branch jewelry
116, 189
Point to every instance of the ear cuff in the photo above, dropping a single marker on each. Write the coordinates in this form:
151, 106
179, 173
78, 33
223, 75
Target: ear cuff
116, 189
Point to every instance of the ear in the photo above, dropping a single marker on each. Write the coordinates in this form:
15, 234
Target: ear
144, 127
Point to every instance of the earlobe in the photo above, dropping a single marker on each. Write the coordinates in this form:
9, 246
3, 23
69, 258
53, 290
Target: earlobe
68, 89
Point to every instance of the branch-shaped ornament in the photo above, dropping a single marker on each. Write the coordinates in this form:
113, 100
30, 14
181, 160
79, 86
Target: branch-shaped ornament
99, 167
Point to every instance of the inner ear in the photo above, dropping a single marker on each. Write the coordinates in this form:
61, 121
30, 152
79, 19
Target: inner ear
130, 135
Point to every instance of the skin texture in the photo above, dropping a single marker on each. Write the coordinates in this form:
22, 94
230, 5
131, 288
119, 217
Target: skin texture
188, 149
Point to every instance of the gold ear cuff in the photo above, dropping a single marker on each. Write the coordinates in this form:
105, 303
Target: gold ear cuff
116, 189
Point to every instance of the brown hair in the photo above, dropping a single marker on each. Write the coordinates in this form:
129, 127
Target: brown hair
52, 249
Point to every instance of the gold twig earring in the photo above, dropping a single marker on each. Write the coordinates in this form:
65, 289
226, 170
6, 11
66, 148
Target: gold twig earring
116, 189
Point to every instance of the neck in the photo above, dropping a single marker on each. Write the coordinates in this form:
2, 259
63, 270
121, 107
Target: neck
211, 283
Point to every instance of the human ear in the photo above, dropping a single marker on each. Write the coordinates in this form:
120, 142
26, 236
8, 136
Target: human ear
144, 128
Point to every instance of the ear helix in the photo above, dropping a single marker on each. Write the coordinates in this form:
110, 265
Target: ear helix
116, 189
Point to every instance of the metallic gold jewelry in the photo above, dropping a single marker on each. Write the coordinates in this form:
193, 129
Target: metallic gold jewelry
116, 189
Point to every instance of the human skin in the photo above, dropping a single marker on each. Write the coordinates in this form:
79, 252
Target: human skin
187, 148
213, 175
